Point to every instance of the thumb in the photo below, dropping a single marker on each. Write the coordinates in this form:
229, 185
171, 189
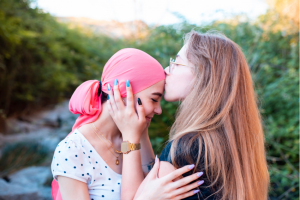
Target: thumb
140, 110
153, 174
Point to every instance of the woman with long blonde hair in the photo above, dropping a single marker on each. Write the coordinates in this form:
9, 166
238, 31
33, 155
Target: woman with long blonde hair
218, 124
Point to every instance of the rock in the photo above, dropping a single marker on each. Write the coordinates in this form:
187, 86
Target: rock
10, 191
46, 128
27, 184
45, 193
53, 124
51, 117
32, 177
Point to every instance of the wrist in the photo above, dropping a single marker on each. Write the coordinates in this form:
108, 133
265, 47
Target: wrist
127, 147
134, 140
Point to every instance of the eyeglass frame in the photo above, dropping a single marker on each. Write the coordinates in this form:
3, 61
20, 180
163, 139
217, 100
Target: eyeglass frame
172, 63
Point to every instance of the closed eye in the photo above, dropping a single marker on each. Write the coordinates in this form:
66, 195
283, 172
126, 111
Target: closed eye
154, 100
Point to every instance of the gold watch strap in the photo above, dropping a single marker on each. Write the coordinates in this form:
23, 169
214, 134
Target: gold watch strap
126, 147
135, 146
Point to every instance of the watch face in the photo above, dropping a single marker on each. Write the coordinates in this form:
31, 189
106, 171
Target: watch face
125, 147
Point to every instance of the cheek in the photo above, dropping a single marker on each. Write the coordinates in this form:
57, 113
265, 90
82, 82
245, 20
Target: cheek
186, 83
148, 107
178, 86
172, 87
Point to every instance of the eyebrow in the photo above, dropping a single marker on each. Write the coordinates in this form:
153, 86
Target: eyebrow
157, 93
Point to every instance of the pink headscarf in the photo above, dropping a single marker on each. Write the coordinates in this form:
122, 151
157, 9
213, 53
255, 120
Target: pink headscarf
134, 65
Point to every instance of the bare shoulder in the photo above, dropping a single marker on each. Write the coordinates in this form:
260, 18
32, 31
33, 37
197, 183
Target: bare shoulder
165, 168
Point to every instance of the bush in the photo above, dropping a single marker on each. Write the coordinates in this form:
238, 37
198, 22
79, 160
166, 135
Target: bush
43, 61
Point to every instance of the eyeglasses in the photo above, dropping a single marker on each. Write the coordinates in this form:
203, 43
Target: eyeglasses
173, 64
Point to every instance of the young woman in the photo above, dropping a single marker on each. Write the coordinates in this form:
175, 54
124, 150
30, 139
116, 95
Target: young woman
89, 163
217, 125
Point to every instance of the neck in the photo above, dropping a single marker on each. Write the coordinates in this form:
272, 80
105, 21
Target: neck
104, 126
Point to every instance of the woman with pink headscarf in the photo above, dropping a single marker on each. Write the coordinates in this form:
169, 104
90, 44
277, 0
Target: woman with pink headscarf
90, 163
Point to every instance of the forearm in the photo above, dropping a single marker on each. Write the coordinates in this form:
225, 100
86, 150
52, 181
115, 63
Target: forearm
132, 173
147, 153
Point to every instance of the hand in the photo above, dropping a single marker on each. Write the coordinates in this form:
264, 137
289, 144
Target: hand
164, 188
130, 123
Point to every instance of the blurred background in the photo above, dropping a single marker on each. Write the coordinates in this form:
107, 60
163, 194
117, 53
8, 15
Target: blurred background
49, 47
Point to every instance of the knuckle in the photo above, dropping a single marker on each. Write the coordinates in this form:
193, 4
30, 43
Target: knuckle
191, 193
195, 185
168, 190
185, 182
117, 116
177, 173
186, 195
169, 195
117, 99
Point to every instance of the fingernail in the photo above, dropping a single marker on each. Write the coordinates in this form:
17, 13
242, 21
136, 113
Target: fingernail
116, 81
108, 86
201, 182
155, 158
139, 101
191, 166
196, 191
107, 97
199, 174
127, 83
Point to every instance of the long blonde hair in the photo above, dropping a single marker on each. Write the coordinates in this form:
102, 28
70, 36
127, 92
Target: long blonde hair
222, 111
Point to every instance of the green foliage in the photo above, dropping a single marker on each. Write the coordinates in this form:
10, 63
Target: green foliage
42, 61
19, 155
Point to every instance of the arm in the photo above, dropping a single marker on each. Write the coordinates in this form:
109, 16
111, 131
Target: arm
132, 173
131, 125
67, 185
147, 154
164, 169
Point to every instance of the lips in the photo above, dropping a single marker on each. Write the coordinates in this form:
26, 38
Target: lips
148, 118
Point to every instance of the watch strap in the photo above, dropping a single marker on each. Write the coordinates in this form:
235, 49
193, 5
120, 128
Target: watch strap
126, 147
135, 146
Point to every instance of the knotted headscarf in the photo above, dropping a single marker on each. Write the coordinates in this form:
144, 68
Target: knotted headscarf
134, 65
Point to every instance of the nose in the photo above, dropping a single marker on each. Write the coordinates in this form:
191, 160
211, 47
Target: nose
167, 70
158, 110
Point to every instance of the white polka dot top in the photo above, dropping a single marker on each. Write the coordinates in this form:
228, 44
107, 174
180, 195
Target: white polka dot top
76, 158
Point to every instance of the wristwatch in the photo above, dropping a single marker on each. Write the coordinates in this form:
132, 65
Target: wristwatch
126, 147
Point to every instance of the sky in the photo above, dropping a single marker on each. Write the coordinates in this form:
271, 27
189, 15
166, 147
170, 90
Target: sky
155, 12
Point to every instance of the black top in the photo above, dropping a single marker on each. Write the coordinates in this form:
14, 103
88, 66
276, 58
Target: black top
205, 191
